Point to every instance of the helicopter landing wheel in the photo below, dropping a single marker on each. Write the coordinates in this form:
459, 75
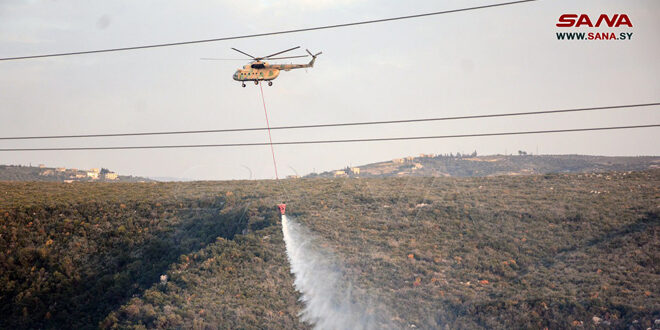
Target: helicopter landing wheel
243, 84
256, 82
270, 83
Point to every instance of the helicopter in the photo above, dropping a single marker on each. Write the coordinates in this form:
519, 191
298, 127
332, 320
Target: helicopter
259, 70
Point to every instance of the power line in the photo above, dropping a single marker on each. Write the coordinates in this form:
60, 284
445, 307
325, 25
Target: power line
181, 43
332, 125
334, 141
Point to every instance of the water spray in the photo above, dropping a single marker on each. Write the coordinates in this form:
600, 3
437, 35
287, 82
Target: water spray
330, 300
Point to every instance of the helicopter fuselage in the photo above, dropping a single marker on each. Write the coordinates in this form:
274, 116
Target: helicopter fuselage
259, 70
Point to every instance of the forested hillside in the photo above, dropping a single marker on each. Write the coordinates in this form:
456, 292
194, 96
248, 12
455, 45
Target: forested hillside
536, 251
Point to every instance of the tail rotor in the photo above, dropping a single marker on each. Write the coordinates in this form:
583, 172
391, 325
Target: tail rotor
311, 63
313, 55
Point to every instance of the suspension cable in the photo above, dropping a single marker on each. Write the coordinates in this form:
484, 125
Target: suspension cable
270, 139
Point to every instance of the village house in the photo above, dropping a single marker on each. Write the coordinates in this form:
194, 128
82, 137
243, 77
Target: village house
340, 174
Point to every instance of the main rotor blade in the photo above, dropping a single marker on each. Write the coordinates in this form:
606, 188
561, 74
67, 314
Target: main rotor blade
244, 53
285, 57
222, 59
284, 51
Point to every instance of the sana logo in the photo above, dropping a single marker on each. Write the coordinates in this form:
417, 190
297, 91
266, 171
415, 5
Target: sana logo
575, 20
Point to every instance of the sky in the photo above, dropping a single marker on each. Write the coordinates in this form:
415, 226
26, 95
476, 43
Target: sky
496, 60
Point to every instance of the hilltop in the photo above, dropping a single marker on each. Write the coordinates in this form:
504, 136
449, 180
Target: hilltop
475, 166
62, 174
534, 251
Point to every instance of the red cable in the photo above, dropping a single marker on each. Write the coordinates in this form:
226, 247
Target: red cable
272, 151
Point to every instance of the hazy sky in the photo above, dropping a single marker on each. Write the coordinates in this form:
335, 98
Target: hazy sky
504, 59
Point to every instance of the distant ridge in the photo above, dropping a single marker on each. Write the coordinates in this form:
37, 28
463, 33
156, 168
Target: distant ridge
62, 174
471, 165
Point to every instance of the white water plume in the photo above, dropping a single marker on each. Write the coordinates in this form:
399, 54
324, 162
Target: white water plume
331, 302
